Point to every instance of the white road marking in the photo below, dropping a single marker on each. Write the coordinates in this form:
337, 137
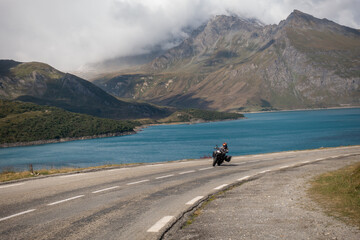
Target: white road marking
320, 159
243, 178
11, 185
146, 180
221, 186
191, 171
65, 200
17, 214
72, 175
194, 200
240, 163
106, 189
283, 167
117, 169
202, 169
265, 171
306, 162
166, 176
154, 165
160, 224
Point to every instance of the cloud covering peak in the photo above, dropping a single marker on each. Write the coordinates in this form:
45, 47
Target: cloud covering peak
70, 33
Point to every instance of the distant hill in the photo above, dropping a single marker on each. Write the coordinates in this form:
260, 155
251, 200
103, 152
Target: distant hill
238, 64
26, 122
41, 84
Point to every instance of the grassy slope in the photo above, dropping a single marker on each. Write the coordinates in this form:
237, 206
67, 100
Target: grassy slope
188, 115
24, 122
339, 193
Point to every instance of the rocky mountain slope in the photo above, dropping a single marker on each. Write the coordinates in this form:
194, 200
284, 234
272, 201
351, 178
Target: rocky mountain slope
41, 84
239, 64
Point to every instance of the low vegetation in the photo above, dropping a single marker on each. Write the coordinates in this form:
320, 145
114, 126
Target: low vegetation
193, 115
25, 122
339, 193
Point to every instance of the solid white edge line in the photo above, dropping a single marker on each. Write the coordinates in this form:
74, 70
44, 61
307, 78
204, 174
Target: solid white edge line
17, 214
221, 186
202, 169
191, 171
243, 178
65, 200
160, 224
72, 175
12, 185
146, 180
194, 200
105, 189
116, 169
166, 176
154, 165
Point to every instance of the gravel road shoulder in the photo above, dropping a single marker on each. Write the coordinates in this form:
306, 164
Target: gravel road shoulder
273, 206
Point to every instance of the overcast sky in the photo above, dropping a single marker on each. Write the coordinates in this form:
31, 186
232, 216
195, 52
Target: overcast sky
69, 33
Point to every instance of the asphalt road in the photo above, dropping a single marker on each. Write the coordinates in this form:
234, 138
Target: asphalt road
139, 202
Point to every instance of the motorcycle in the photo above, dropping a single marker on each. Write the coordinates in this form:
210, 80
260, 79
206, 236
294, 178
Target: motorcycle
219, 156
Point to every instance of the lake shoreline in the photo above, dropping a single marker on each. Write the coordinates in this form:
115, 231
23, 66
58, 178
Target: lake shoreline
61, 140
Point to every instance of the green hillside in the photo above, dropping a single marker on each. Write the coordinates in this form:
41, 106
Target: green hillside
24, 122
44, 85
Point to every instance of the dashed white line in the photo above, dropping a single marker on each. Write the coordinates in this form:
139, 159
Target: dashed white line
320, 159
11, 185
306, 162
221, 186
191, 171
283, 167
65, 200
146, 180
160, 224
17, 214
166, 176
194, 200
202, 169
240, 163
106, 189
265, 171
243, 178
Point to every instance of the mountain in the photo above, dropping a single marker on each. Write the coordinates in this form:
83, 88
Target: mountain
237, 64
41, 84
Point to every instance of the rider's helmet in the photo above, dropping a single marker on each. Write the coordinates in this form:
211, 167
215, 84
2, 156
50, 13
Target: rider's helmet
225, 145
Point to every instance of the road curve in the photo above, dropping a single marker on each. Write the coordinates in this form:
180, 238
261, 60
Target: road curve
132, 202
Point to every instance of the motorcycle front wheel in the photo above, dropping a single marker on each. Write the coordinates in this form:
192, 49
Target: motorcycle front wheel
214, 161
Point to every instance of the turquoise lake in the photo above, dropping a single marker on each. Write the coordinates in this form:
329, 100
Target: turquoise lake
258, 133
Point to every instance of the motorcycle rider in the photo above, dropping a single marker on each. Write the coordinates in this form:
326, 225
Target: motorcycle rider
224, 149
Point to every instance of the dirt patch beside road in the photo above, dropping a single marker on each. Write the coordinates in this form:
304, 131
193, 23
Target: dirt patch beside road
274, 206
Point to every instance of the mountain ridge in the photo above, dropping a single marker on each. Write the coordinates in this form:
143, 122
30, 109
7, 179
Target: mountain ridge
235, 65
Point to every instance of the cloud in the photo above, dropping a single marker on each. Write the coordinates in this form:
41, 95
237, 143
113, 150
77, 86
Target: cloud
70, 33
